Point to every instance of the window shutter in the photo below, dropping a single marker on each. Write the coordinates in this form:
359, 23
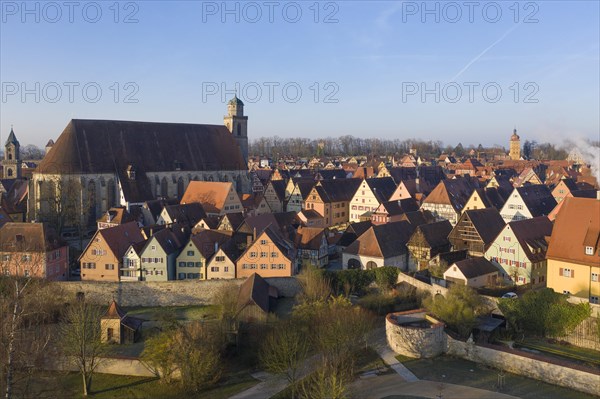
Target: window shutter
572, 273
560, 271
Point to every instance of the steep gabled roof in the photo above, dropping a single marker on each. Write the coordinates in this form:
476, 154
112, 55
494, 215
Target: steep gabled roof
279, 188
337, 190
189, 214
435, 234
531, 234
455, 192
29, 237
538, 199
353, 231
104, 146
205, 241
235, 219
212, 195
120, 237
576, 227
309, 237
385, 240
475, 267
487, 222
382, 188
255, 290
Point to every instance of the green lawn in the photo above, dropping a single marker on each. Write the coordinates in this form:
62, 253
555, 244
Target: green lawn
569, 352
463, 372
107, 386
180, 313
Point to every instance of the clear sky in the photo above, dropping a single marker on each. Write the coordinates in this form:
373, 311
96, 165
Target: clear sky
362, 67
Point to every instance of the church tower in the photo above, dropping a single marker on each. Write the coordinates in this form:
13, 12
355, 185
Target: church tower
237, 124
515, 146
11, 166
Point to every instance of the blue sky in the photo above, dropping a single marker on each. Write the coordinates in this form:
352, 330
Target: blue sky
361, 73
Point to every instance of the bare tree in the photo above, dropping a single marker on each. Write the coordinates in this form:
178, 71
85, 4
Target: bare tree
315, 286
81, 339
60, 202
27, 304
284, 351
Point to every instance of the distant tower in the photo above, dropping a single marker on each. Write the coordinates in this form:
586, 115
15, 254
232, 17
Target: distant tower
11, 166
237, 124
49, 145
515, 146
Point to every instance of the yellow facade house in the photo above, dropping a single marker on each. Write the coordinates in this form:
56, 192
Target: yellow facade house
573, 253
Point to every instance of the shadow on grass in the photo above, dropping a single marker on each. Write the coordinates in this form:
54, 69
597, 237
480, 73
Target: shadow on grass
131, 384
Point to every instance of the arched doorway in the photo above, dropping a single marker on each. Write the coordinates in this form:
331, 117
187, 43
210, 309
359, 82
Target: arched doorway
371, 265
353, 264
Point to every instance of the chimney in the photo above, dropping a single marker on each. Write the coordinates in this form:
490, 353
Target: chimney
598, 195
254, 235
248, 241
216, 246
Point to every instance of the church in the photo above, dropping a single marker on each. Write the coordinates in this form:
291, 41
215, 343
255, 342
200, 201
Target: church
97, 164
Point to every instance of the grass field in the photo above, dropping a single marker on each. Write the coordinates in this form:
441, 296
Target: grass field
588, 357
462, 372
107, 386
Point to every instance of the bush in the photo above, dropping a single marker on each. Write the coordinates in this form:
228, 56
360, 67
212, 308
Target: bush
459, 309
543, 313
351, 281
386, 277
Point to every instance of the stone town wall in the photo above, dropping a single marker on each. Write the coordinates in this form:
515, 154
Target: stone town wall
528, 365
166, 293
435, 289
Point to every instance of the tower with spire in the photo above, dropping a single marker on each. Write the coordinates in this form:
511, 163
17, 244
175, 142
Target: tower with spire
237, 124
515, 146
11, 166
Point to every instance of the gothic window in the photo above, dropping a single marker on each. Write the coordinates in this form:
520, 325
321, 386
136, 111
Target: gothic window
180, 188
110, 193
239, 129
91, 201
10, 173
164, 188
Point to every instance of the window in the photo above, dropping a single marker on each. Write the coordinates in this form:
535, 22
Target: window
594, 276
26, 258
594, 299
220, 258
567, 273
214, 269
263, 254
26, 273
273, 254
6, 271
263, 242
181, 264
253, 254
281, 266
198, 264
109, 267
566, 292
263, 266
190, 253
190, 264
589, 250
5, 258
181, 276
153, 247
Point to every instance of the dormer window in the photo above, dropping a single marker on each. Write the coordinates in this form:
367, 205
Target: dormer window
589, 250
178, 165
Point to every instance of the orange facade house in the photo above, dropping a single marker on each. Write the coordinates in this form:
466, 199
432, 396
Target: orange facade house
331, 199
270, 255
102, 259
33, 250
